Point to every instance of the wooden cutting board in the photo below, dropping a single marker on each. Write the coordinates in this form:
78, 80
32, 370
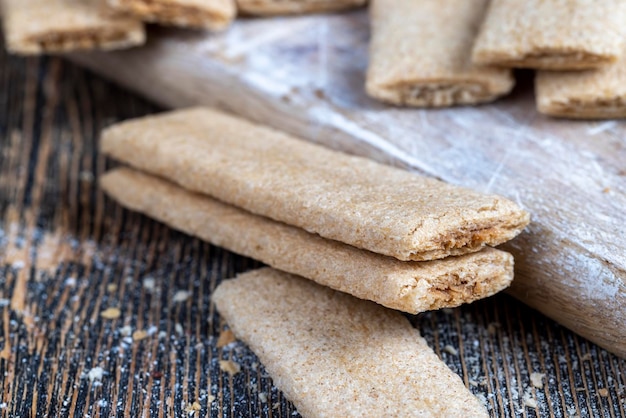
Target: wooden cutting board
305, 75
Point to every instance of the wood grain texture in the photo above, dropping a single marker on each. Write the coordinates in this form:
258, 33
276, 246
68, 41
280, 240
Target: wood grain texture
571, 264
67, 253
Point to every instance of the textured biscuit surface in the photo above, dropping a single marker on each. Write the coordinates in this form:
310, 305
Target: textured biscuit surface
555, 34
409, 286
349, 199
337, 356
207, 14
591, 94
278, 7
420, 54
52, 26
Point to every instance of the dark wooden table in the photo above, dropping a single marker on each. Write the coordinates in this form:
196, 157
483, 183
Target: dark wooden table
68, 254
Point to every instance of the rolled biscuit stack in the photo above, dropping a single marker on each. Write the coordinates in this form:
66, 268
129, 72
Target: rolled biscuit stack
577, 46
59, 26
376, 232
441, 53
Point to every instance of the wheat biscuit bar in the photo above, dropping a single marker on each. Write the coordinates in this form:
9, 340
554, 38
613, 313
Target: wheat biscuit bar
349, 199
283, 7
591, 94
553, 35
54, 26
202, 14
407, 286
337, 356
420, 54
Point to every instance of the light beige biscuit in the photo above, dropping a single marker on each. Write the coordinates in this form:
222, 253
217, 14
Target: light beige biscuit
591, 94
206, 14
282, 7
337, 356
555, 34
54, 26
349, 199
408, 286
420, 54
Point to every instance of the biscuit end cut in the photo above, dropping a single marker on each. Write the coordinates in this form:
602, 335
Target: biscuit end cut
505, 222
477, 276
292, 7
443, 93
584, 108
215, 16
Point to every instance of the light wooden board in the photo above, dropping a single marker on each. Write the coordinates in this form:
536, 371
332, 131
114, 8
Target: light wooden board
305, 75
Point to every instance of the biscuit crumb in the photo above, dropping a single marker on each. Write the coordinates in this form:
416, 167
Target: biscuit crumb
537, 380
139, 335
571, 411
95, 374
111, 313
529, 401
263, 397
230, 367
586, 357
451, 350
181, 296
193, 408
226, 337
111, 287
149, 284
604, 392
492, 328
126, 330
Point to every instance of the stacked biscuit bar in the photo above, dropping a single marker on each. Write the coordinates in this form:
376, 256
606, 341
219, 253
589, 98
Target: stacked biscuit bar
436, 53
378, 233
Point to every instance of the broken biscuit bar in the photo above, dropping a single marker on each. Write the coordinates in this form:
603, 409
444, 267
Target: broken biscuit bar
420, 54
349, 199
407, 286
337, 356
